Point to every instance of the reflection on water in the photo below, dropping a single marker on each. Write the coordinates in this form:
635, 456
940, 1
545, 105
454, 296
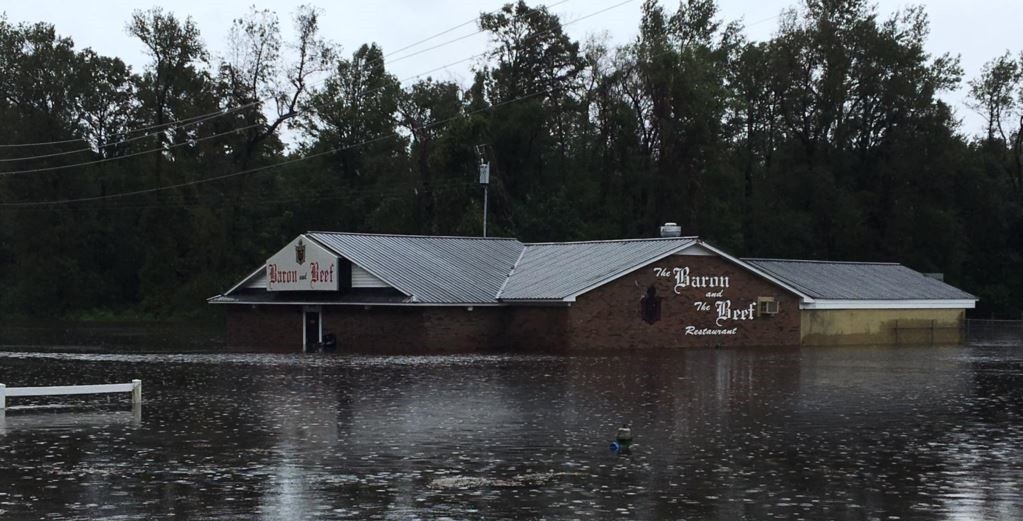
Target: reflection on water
54, 417
908, 433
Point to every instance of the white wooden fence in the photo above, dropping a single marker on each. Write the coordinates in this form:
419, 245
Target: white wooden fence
135, 388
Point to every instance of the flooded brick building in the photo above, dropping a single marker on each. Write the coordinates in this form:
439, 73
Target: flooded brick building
408, 294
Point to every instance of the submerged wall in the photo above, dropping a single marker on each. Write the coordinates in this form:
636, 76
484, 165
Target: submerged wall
677, 302
409, 330
378, 329
691, 309
696, 301
822, 327
273, 329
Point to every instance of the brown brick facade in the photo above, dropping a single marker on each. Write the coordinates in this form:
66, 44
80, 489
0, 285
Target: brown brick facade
608, 317
410, 330
273, 329
379, 329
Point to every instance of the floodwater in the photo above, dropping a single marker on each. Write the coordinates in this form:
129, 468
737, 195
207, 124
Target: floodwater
864, 433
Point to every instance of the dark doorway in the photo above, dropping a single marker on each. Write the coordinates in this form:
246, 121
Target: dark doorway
312, 330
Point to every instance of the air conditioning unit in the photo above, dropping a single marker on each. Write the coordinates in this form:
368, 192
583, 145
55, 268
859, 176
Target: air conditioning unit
767, 306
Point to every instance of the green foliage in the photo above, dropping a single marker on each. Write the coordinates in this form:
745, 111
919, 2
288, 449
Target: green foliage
830, 140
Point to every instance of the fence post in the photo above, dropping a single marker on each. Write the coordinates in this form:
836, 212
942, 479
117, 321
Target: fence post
3, 397
136, 391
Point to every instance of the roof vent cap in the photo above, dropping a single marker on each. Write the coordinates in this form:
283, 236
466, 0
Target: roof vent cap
671, 230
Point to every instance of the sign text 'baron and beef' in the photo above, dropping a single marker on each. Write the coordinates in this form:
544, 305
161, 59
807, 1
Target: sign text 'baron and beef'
713, 301
302, 266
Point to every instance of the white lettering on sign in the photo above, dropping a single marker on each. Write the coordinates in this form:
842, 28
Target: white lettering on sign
683, 279
302, 265
716, 303
725, 312
693, 330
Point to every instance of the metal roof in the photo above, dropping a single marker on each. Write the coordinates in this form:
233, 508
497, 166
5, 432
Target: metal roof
429, 269
473, 270
859, 280
561, 270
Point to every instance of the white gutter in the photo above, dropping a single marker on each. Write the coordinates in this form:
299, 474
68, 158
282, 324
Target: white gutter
890, 304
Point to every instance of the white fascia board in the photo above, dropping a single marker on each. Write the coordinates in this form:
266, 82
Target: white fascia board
749, 267
364, 304
616, 276
244, 281
890, 304
347, 258
536, 302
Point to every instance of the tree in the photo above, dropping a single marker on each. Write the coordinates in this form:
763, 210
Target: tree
255, 72
427, 110
353, 121
998, 94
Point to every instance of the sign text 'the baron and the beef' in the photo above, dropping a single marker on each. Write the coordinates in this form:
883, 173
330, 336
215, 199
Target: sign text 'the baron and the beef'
714, 301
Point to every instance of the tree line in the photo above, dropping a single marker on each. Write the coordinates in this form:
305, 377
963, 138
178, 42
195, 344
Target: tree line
145, 192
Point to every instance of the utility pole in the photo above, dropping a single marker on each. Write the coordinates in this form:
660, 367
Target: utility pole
484, 180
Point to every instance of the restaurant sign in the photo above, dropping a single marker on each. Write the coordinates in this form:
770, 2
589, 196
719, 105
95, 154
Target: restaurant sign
302, 265
711, 299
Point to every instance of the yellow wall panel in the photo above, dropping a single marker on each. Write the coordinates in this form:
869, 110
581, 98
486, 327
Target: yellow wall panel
881, 326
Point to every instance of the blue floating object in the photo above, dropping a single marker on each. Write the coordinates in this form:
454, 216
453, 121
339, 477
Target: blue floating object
615, 446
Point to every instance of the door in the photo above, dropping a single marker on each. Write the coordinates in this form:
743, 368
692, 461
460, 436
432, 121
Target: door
312, 331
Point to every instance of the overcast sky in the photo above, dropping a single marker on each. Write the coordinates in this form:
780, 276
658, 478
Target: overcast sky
976, 31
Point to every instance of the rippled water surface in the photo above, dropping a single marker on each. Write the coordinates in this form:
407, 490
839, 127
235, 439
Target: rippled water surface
866, 433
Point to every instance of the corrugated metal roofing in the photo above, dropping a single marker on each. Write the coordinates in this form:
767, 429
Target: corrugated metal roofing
555, 271
859, 280
472, 270
455, 270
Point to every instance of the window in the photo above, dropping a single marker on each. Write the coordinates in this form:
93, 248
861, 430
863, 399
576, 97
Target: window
767, 306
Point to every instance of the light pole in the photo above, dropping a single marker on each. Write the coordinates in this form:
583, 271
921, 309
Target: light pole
485, 181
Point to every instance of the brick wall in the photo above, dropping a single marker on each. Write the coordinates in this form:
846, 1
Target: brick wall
409, 330
610, 316
275, 329
396, 330
606, 318
536, 328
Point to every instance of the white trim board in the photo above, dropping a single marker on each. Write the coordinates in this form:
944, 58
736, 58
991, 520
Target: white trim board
696, 250
704, 250
364, 304
350, 261
760, 272
254, 274
889, 304
626, 271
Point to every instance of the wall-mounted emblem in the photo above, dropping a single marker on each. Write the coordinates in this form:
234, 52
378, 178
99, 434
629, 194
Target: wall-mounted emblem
300, 253
650, 306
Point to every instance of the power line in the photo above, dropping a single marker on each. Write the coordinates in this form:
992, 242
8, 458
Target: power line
294, 160
239, 129
484, 53
133, 154
389, 191
224, 112
265, 167
123, 141
194, 120
459, 26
